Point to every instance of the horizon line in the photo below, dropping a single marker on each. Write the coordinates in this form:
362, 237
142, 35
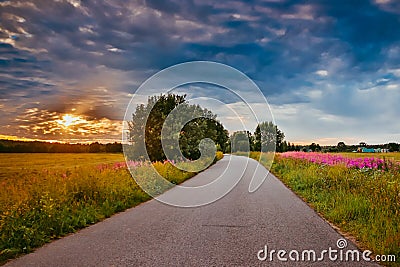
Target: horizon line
108, 141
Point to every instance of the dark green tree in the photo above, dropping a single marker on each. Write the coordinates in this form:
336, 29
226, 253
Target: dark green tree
393, 147
147, 122
267, 137
285, 146
341, 147
314, 147
191, 122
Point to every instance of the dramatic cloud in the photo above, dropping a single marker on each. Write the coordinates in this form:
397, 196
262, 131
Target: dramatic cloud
330, 69
65, 126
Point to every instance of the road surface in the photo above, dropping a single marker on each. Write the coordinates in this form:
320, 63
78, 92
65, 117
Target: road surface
233, 231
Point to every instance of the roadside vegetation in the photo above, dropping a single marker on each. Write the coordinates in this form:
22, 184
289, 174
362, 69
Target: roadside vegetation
362, 201
40, 202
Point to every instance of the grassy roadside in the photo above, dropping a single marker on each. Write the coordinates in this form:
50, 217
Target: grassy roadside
40, 204
363, 203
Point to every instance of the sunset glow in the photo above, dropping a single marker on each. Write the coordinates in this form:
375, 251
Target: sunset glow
68, 120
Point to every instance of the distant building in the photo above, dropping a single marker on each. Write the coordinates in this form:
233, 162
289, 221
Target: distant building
372, 150
365, 150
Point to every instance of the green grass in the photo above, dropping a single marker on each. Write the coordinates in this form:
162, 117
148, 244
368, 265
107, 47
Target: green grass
46, 196
363, 203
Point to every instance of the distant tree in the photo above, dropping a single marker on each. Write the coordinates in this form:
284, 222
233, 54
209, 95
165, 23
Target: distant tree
222, 137
333, 149
240, 141
393, 147
14, 146
267, 137
314, 147
363, 144
341, 147
285, 146
251, 138
113, 147
94, 147
291, 147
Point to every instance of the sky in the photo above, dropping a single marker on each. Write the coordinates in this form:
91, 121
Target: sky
330, 70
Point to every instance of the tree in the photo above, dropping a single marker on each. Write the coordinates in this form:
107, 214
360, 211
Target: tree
168, 124
146, 125
285, 146
94, 147
341, 146
267, 137
314, 147
198, 129
393, 147
113, 147
222, 137
240, 141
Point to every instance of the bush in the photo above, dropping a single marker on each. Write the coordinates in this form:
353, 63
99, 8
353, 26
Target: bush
219, 155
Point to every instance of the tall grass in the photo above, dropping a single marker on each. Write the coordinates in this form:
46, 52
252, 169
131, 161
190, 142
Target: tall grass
362, 202
42, 204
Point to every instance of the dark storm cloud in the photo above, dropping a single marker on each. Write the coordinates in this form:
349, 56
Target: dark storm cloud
60, 54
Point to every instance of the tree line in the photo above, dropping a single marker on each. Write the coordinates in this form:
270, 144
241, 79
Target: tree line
266, 137
13, 146
340, 147
192, 124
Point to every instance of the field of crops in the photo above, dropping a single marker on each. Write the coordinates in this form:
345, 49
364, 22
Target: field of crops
359, 195
45, 196
13, 164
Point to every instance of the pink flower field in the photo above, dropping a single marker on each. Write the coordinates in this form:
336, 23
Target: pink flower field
337, 159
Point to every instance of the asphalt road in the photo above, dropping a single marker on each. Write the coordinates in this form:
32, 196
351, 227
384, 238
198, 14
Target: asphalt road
228, 232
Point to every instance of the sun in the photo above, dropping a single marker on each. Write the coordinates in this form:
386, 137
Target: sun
68, 120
